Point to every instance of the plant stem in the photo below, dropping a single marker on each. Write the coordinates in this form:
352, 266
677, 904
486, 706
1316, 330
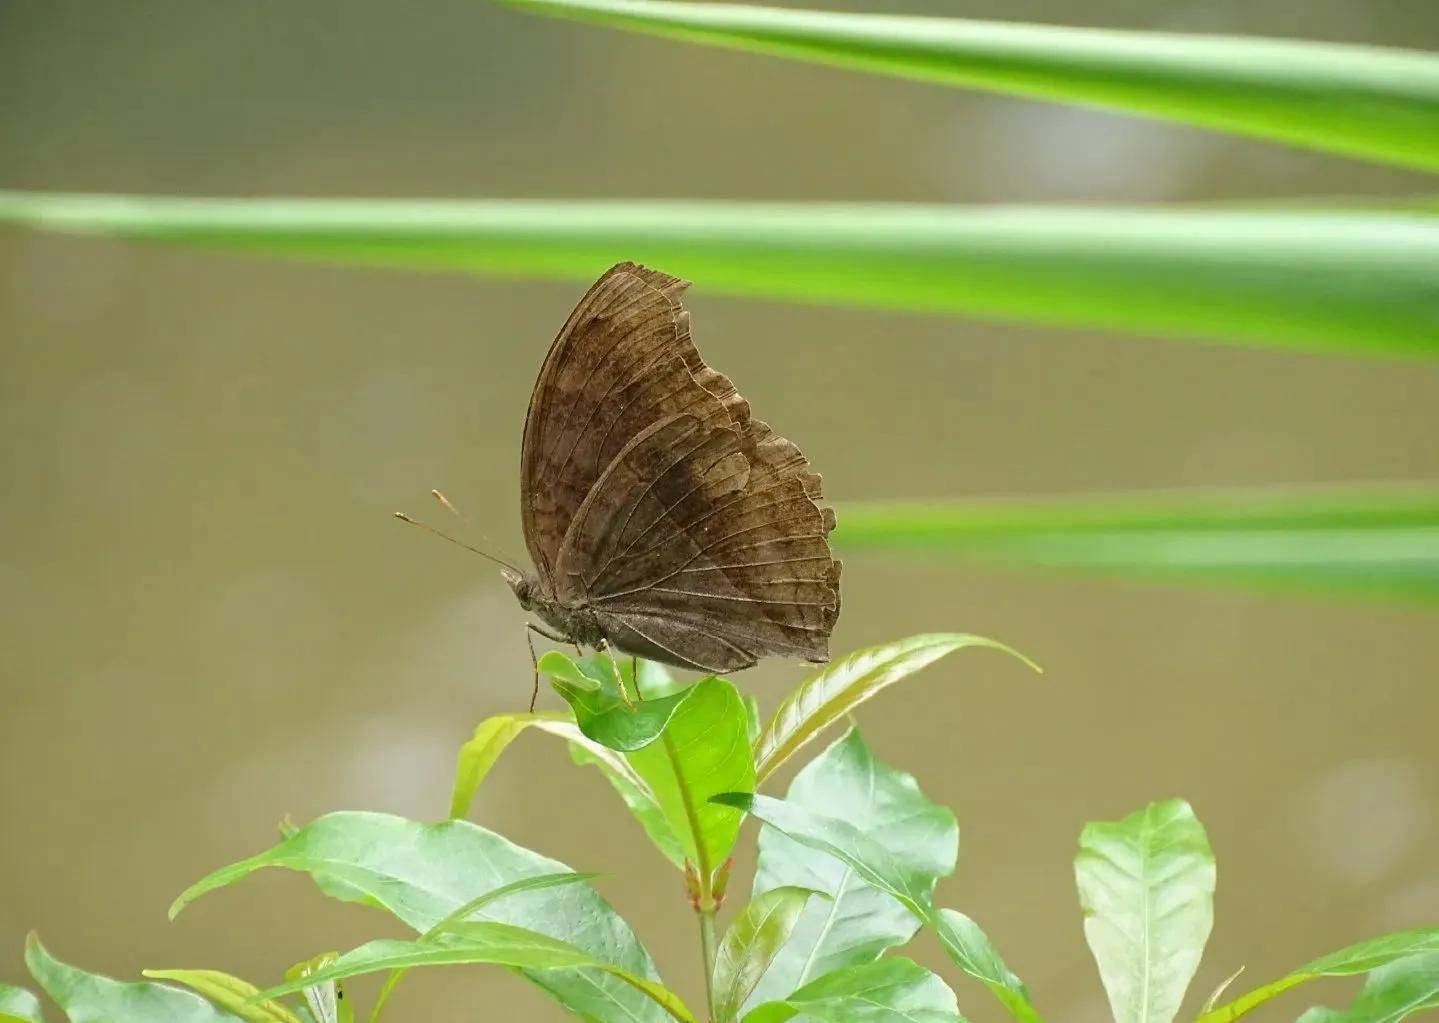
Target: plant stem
707, 949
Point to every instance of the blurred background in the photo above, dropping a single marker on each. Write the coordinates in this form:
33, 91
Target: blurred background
210, 620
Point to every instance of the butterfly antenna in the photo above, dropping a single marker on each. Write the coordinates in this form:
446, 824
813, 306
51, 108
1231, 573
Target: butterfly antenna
458, 543
449, 506
439, 496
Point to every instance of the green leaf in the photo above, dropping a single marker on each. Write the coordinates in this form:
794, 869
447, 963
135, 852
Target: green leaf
91, 998
752, 942
486, 942
1357, 958
824, 698
1380, 104
859, 921
602, 713
525, 884
910, 884
1146, 885
1390, 993
229, 993
1374, 540
1356, 281
492, 737
424, 872
703, 751
972, 950
19, 1006
893, 990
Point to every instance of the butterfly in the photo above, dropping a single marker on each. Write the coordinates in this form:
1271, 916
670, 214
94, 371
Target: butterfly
662, 519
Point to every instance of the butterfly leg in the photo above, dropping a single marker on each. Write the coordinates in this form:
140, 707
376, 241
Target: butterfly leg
609, 651
635, 674
530, 629
534, 663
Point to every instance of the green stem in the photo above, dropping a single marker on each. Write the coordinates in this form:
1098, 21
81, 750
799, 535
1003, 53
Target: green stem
707, 949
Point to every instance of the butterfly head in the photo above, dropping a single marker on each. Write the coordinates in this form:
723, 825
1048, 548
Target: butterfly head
521, 586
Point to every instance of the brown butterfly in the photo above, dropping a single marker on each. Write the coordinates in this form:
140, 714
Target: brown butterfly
662, 519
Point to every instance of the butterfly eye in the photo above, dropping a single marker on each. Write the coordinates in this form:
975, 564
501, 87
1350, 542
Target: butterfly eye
520, 585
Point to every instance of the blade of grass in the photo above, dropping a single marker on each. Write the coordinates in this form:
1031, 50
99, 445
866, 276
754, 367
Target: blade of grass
1362, 282
1379, 104
1356, 541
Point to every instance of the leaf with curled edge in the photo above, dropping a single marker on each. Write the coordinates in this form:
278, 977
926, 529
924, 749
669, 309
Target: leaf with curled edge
827, 696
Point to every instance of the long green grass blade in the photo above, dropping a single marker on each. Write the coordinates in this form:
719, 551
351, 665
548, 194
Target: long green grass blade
1380, 104
1363, 282
1360, 541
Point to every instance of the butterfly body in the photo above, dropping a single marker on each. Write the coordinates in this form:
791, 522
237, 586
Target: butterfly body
662, 519
572, 624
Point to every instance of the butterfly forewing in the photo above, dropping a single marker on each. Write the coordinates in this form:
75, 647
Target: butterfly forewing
622, 362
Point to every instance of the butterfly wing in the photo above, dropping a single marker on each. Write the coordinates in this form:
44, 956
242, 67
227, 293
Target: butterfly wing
622, 362
704, 547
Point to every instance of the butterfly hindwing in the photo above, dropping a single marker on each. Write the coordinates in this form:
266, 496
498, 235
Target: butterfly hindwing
682, 547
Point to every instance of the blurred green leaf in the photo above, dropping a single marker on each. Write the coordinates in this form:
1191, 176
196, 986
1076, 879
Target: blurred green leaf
905, 881
752, 721
838, 688
1390, 993
1380, 104
1379, 540
19, 1006
424, 872
1146, 885
892, 990
229, 993
89, 997
703, 751
1357, 958
602, 713
1362, 282
859, 921
751, 943
486, 942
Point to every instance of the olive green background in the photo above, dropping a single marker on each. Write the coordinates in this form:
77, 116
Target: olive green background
209, 620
